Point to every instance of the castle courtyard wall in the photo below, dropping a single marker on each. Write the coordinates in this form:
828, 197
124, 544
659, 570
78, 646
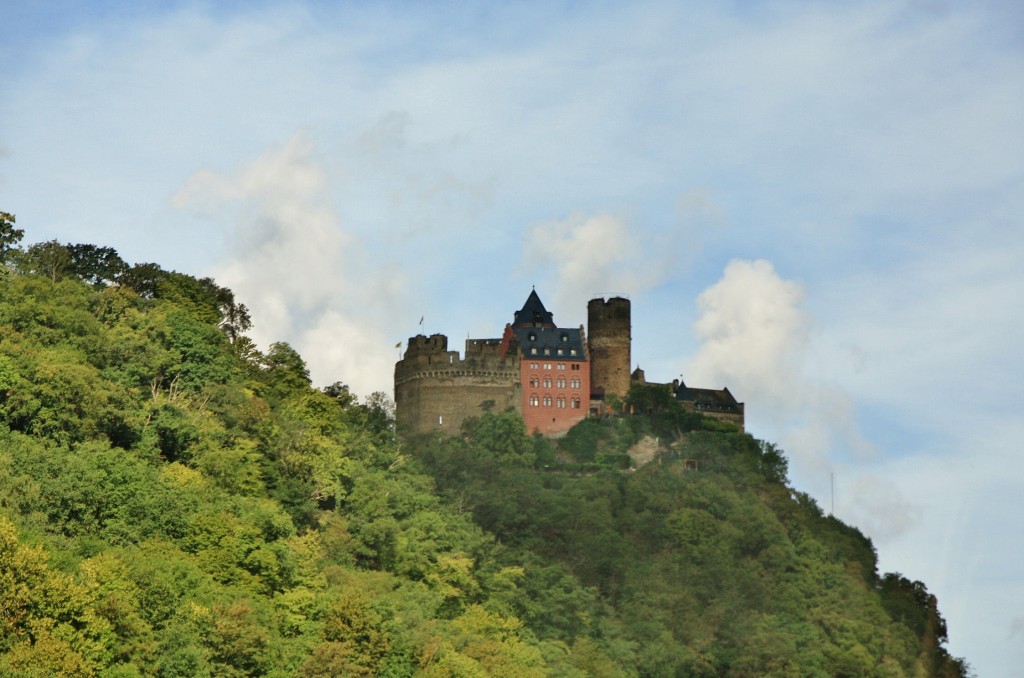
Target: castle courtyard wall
435, 389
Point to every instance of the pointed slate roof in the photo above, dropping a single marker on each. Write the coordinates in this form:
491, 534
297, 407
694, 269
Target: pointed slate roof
533, 313
540, 339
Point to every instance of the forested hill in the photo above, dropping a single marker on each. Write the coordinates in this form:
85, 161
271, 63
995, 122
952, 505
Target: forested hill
175, 502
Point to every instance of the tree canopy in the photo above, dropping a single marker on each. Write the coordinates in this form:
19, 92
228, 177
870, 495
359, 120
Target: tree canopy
176, 502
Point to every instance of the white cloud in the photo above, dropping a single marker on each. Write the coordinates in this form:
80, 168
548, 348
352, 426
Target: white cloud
878, 507
753, 335
870, 150
291, 262
585, 256
755, 338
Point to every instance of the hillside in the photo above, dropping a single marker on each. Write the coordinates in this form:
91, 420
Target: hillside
175, 502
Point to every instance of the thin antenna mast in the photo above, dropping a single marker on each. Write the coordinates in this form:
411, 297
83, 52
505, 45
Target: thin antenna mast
832, 483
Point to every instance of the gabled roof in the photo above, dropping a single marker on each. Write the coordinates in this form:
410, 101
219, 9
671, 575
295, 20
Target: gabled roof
533, 313
706, 398
550, 343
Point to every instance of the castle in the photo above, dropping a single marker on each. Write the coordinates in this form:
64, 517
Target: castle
553, 376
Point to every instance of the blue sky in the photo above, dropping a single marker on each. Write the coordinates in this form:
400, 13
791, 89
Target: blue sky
818, 206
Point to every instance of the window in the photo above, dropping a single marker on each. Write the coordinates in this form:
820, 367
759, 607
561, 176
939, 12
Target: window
533, 336
547, 366
561, 383
572, 351
561, 366
561, 403
534, 382
561, 351
575, 383
534, 400
533, 366
565, 337
547, 350
574, 403
547, 382
533, 350
547, 401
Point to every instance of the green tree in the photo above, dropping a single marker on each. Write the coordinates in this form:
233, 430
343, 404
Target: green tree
284, 371
48, 622
9, 236
96, 266
50, 259
502, 436
143, 279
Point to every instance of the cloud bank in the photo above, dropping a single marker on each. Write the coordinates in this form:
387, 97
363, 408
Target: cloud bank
756, 339
291, 262
591, 255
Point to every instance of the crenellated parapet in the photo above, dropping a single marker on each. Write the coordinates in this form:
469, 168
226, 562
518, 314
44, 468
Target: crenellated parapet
438, 389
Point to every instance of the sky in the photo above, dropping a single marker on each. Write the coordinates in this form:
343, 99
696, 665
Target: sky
818, 205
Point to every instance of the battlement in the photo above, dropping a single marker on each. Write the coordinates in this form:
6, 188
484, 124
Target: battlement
420, 344
483, 346
431, 355
613, 308
437, 389
550, 375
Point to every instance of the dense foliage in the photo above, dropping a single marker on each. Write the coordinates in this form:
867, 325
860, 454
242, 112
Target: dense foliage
174, 502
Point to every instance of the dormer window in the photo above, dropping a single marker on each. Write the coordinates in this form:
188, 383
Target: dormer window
565, 337
547, 350
533, 336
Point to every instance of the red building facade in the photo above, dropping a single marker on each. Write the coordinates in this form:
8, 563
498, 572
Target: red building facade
554, 369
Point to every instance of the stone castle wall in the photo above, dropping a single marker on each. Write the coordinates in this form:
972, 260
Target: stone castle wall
609, 333
733, 415
436, 389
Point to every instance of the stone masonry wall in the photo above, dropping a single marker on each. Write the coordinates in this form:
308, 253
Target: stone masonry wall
609, 338
435, 389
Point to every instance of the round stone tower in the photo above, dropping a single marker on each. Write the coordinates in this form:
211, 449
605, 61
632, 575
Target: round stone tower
609, 339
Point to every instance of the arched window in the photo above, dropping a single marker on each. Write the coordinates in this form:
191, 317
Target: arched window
534, 400
547, 401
